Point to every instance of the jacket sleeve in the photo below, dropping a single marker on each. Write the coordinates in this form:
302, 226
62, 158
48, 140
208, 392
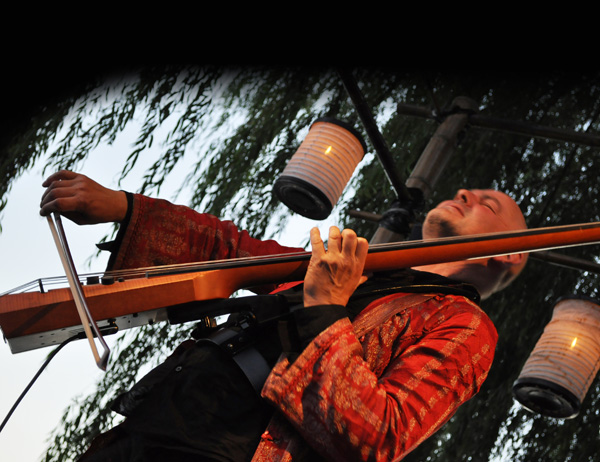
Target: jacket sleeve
158, 232
347, 409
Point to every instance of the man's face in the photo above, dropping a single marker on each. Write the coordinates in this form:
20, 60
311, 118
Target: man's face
473, 211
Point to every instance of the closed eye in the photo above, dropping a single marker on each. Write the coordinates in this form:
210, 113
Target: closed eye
489, 206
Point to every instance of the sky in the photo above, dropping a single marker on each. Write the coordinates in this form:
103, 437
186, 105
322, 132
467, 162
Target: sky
28, 252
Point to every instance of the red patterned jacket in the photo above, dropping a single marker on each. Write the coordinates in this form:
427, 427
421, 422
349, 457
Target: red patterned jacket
371, 389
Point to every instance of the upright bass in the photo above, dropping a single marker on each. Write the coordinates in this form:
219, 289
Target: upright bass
36, 318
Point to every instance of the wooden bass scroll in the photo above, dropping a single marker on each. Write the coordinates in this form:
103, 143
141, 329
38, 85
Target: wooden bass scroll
41, 318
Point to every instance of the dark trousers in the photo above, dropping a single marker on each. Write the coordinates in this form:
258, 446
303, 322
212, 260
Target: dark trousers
202, 408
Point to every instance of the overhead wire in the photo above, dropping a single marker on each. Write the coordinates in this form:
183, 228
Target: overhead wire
36, 376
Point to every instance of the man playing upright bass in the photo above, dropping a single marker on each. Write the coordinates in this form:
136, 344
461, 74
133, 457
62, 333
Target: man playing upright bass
364, 366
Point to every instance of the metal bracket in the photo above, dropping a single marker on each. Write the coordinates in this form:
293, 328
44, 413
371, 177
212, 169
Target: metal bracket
89, 325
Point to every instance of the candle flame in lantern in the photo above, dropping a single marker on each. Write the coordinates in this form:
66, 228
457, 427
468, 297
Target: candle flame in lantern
328, 150
574, 342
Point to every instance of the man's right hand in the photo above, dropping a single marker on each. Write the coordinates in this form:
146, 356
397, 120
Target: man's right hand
82, 200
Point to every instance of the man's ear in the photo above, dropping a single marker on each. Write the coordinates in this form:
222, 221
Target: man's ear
508, 267
511, 260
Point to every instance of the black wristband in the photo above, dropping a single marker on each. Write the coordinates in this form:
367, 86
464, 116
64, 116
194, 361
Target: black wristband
313, 320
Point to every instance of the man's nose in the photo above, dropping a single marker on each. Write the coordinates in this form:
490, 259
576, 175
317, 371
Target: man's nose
466, 196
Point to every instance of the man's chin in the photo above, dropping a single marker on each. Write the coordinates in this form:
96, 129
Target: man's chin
436, 227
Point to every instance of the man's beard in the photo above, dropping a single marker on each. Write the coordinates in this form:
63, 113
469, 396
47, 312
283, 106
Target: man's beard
438, 226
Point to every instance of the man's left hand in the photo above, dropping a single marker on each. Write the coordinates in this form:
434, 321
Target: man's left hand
334, 273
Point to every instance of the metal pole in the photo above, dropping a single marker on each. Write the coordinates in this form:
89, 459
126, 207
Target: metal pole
375, 136
566, 261
431, 164
441, 146
509, 126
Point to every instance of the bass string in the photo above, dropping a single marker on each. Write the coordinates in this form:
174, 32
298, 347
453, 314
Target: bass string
180, 268
48, 283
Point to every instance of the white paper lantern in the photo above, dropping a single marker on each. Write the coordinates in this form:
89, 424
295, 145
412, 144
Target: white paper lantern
314, 179
565, 360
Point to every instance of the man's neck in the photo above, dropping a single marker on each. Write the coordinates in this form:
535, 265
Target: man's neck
475, 272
